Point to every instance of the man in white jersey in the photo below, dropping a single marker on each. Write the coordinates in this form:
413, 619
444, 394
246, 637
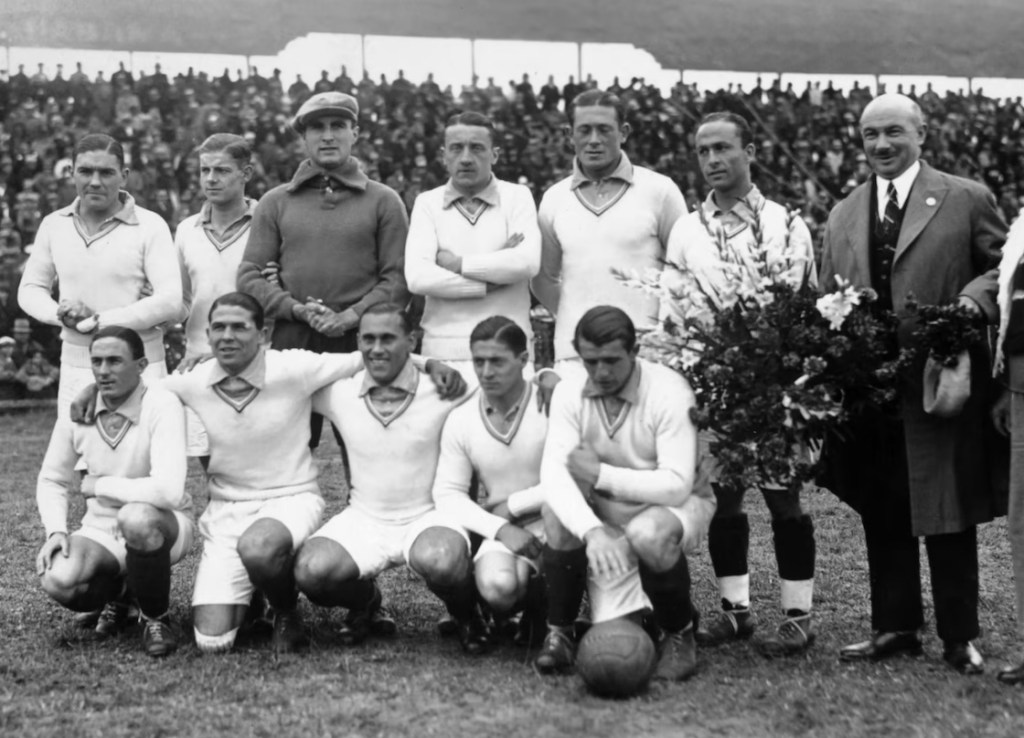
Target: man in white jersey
499, 438
391, 423
114, 261
264, 495
608, 214
210, 245
212, 241
473, 244
130, 467
736, 214
620, 479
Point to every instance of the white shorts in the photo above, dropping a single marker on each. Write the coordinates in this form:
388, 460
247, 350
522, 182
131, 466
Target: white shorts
76, 374
377, 545
101, 527
489, 545
197, 443
221, 578
613, 597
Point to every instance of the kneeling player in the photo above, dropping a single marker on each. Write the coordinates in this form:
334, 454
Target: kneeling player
500, 438
136, 522
619, 474
264, 495
391, 423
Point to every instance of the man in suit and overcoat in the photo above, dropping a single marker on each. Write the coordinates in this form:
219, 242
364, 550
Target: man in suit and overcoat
913, 231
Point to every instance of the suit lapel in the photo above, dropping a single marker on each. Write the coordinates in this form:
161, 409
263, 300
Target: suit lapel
925, 199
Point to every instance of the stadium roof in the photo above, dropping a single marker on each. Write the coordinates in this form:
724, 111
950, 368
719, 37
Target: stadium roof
931, 37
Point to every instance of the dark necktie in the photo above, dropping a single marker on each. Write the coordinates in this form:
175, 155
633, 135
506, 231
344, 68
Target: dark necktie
891, 219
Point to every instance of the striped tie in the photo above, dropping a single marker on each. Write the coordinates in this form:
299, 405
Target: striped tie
890, 221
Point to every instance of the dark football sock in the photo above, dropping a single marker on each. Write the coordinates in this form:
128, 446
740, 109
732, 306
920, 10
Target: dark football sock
794, 547
459, 599
669, 592
728, 543
149, 578
535, 601
565, 573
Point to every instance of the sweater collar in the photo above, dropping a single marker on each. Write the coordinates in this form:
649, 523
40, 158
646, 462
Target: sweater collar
255, 374
623, 172
488, 194
126, 214
348, 175
131, 408
407, 380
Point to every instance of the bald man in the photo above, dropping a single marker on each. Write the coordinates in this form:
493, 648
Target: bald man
910, 230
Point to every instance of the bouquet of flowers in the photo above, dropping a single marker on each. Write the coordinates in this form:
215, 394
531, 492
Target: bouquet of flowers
775, 365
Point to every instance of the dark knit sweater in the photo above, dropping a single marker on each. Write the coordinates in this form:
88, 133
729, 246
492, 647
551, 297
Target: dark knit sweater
337, 236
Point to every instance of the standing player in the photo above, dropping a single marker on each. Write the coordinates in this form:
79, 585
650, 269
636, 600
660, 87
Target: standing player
391, 423
136, 523
499, 438
212, 241
115, 263
609, 214
620, 478
737, 214
338, 237
473, 243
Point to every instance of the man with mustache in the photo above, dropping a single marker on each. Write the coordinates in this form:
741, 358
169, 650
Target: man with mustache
911, 230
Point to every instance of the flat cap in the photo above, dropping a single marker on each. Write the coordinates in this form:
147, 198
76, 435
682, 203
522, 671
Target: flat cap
7, 341
326, 103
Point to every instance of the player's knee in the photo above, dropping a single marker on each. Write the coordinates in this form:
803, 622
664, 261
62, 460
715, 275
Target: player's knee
265, 548
214, 644
315, 570
140, 525
654, 538
440, 556
500, 589
61, 585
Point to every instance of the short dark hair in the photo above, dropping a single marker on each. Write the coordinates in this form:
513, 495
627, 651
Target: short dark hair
99, 142
132, 339
390, 308
240, 300
234, 146
501, 329
604, 324
742, 126
471, 118
599, 98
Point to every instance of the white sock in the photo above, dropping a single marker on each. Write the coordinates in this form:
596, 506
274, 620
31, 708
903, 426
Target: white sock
736, 590
216, 644
797, 595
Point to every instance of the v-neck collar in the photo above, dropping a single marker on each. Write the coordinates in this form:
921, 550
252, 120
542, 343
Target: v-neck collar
509, 435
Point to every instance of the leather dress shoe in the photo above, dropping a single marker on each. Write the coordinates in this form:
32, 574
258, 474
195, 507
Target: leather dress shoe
1012, 674
964, 657
882, 645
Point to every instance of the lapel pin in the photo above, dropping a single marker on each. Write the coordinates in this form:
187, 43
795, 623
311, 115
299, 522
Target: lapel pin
930, 202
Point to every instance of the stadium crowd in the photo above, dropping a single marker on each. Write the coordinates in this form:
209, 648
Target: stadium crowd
808, 148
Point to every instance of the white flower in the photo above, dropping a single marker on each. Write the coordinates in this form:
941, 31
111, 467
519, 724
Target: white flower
835, 306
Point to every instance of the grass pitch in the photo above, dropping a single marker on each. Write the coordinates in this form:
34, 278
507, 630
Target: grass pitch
57, 681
